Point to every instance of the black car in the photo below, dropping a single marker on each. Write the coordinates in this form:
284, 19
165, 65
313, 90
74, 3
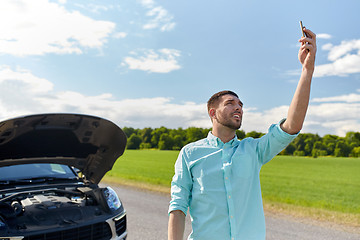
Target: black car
50, 168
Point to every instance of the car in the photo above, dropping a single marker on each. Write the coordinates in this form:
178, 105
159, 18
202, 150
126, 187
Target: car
50, 169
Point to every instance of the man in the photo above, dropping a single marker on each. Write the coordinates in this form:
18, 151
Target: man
217, 178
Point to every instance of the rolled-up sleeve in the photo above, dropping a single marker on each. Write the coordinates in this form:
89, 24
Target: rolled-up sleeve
181, 185
273, 142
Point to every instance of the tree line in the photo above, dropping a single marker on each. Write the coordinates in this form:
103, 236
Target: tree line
306, 144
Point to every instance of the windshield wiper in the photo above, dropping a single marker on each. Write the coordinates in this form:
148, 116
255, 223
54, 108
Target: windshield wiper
4, 182
36, 180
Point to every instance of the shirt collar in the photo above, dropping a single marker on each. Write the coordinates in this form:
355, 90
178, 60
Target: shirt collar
216, 142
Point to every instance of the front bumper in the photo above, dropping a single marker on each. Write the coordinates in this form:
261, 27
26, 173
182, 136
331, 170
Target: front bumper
114, 228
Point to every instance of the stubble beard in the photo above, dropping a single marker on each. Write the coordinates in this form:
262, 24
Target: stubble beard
229, 123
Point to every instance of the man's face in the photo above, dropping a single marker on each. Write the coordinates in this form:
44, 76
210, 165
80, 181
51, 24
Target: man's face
229, 112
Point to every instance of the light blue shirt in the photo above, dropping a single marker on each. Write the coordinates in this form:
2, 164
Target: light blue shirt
220, 185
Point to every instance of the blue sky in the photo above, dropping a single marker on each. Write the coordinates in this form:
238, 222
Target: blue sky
152, 63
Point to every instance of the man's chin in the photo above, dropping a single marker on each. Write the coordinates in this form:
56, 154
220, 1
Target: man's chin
237, 125
237, 128
234, 126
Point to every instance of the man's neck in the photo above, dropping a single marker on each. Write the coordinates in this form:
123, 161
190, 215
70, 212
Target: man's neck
225, 135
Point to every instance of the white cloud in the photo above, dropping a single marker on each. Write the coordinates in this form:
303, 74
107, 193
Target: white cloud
323, 36
40, 27
332, 115
349, 98
255, 120
345, 48
18, 91
120, 35
338, 113
323, 118
163, 61
94, 8
147, 3
344, 59
23, 80
21, 93
336, 118
159, 17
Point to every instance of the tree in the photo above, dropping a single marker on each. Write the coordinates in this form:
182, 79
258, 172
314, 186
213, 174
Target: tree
240, 134
328, 138
355, 152
129, 131
178, 142
299, 153
289, 150
306, 144
155, 136
318, 149
145, 145
133, 142
166, 142
353, 137
342, 149
330, 148
330, 142
254, 134
299, 144
193, 134
309, 141
146, 135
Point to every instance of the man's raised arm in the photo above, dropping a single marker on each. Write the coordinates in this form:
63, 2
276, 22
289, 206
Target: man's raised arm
300, 101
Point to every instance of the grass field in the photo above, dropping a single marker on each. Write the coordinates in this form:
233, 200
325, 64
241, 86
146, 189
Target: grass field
311, 187
149, 167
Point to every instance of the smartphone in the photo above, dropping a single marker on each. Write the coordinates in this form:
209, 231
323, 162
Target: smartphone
302, 29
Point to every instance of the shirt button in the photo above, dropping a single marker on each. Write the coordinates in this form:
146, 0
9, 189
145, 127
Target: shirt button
229, 196
226, 178
231, 216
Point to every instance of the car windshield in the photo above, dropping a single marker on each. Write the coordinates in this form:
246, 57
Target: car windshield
31, 171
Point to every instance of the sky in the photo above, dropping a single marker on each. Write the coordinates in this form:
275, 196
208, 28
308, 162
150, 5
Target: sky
152, 63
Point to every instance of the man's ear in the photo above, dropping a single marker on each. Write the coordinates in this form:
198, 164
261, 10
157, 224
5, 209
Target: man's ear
212, 113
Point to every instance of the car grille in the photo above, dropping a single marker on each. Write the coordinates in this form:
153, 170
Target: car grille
120, 225
98, 231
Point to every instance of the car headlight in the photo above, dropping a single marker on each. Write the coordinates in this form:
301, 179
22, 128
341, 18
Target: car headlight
112, 199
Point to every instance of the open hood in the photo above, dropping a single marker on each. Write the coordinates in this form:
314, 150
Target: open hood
89, 143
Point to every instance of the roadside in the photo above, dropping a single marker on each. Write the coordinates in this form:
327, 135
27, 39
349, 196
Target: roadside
312, 221
316, 217
147, 219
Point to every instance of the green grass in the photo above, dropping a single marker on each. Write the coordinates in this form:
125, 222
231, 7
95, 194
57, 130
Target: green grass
326, 186
151, 167
325, 183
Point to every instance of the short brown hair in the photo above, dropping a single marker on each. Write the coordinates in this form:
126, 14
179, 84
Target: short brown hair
214, 100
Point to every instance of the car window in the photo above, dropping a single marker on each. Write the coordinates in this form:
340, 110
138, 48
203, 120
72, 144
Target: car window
27, 171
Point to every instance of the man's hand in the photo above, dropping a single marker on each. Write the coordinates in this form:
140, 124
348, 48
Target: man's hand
307, 50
